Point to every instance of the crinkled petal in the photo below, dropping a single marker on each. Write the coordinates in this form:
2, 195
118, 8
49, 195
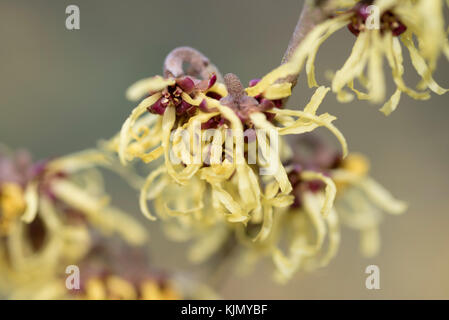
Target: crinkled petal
420, 65
147, 86
125, 132
295, 64
354, 65
261, 122
145, 189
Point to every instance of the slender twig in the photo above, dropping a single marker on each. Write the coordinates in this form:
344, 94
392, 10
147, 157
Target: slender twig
221, 266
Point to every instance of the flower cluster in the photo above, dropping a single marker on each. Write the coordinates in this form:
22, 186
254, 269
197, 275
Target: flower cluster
47, 210
184, 104
213, 202
299, 231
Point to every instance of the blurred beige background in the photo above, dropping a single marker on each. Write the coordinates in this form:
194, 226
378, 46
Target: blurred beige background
60, 91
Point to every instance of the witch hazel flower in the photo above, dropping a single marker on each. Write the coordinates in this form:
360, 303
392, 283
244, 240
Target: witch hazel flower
380, 27
196, 101
328, 192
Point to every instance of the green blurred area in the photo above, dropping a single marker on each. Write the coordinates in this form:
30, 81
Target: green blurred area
61, 91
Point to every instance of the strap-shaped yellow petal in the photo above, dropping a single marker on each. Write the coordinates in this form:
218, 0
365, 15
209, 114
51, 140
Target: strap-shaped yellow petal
147, 86
323, 120
278, 91
125, 132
